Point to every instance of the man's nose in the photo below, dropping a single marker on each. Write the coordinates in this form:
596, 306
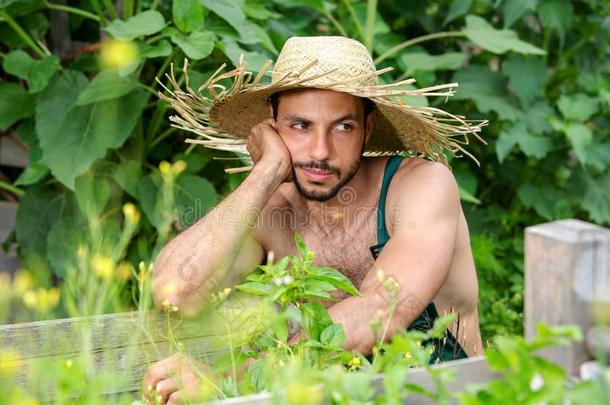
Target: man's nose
320, 148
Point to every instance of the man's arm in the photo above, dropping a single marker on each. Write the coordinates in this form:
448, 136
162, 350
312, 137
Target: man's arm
218, 249
424, 211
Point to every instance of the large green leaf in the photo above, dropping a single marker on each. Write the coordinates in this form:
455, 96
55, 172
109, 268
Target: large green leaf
545, 199
82, 133
255, 60
580, 137
556, 15
188, 15
518, 134
597, 199
487, 89
577, 107
526, 76
38, 210
231, 11
107, 85
36, 72
197, 45
161, 48
145, 23
36, 169
15, 104
195, 195
415, 61
487, 37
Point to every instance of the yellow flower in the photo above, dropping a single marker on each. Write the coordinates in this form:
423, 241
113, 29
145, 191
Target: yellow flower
10, 361
124, 271
354, 363
103, 266
23, 281
179, 166
47, 299
30, 299
131, 213
69, 363
165, 167
118, 54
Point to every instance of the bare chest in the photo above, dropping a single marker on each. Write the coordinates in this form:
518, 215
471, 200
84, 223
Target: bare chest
339, 242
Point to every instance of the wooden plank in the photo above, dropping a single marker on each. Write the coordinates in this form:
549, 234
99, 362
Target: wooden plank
12, 153
467, 371
567, 267
8, 214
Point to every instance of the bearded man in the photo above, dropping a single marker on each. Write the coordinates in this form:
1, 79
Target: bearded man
340, 160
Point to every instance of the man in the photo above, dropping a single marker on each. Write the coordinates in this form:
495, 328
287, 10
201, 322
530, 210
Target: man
315, 172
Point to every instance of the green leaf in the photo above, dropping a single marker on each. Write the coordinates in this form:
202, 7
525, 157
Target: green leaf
487, 89
231, 12
422, 61
597, 199
36, 72
128, 174
458, 8
513, 10
545, 199
38, 210
32, 174
556, 15
255, 60
315, 319
92, 194
84, 133
332, 336
537, 117
188, 15
518, 134
147, 196
15, 104
197, 45
335, 278
145, 23
467, 183
580, 137
162, 48
300, 244
255, 288
195, 195
526, 76
107, 85
577, 107
487, 37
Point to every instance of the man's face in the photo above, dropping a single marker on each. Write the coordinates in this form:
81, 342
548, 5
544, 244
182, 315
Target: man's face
324, 131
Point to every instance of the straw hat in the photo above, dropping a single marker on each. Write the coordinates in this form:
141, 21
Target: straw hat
223, 116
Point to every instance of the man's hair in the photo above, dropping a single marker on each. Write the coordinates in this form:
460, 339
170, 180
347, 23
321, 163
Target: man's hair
274, 100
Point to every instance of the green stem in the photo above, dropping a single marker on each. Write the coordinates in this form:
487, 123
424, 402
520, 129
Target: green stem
161, 137
390, 52
127, 8
154, 39
96, 6
336, 23
111, 10
26, 38
9, 187
72, 10
154, 5
371, 13
356, 21
147, 88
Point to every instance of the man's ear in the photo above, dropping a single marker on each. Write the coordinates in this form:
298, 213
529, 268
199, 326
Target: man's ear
370, 124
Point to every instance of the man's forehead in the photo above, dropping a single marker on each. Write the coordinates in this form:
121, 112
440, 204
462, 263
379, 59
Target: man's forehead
311, 99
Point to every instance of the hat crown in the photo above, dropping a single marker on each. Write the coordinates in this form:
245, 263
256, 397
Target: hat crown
339, 58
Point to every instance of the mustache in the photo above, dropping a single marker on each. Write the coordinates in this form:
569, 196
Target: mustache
317, 165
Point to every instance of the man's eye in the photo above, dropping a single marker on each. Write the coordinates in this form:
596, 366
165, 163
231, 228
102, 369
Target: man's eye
344, 126
299, 125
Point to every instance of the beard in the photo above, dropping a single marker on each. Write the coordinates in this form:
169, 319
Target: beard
322, 196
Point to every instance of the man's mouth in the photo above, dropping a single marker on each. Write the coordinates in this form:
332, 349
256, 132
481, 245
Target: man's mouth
317, 174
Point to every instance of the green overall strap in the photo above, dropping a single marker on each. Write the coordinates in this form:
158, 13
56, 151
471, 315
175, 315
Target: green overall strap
391, 166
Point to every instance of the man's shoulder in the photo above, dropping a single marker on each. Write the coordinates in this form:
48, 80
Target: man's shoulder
422, 183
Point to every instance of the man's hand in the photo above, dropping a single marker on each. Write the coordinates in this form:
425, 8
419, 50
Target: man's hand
175, 380
265, 145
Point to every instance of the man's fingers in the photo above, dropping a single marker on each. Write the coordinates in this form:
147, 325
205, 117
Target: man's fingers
165, 388
156, 372
175, 398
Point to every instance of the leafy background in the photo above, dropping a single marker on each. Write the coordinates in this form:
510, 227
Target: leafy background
78, 87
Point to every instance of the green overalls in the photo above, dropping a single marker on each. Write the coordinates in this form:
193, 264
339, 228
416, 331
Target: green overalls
444, 349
